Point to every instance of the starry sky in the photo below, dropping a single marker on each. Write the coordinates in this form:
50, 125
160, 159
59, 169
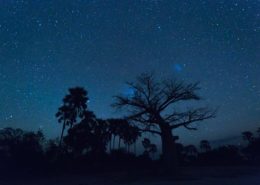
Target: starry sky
48, 46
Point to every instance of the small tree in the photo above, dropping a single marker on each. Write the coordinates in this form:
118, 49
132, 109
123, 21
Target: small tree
190, 150
149, 148
258, 131
205, 145
152, 105
248, 136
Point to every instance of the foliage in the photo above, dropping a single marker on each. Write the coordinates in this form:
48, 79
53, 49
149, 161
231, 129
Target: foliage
90, 141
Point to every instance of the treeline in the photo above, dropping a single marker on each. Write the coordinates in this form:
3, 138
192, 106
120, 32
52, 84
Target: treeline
86, 147
228, 155
94, 150
88, 143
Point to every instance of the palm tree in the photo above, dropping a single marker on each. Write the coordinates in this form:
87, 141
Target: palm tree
131, 135
248, 136
117, 129
76, 100
205, 145
113, 131
64, 117
134, 134
74, 107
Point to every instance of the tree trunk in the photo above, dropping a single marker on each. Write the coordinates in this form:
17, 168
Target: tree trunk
119, 141
110, 144
169, 153
62, 133
135, 147
114, 139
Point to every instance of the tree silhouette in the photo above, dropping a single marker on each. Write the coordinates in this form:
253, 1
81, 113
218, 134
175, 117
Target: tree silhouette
149, 148
23, 148
74, 107
248, 136
205, 145
113, 130
252, 150
190, 153
258, 131
151, 104
190, 150
90, 135
130, 135
116, 129
122, 129
10, 139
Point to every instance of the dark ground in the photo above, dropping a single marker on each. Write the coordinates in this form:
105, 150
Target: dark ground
190, 176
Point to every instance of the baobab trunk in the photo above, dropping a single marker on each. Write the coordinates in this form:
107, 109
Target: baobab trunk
169, 153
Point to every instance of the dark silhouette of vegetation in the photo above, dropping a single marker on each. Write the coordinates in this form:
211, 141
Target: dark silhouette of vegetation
89, 136
91, 144
205, 146
124, 131
248, 136
20, 148
151, 104
85, 147
74, 107
149, 148
252, 151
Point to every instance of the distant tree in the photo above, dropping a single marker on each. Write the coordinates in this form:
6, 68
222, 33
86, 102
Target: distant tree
89, 136
30, 149
21, 147
189, 153
152, 105
190, 150
227, 155
258, 131
205, 145
74, 107
10, 139
149, 148
252, 151
129, 134
116, 130
113, 130
51, 151
122, 129
248, 136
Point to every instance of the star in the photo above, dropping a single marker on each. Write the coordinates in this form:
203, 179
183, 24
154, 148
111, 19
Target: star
59, 46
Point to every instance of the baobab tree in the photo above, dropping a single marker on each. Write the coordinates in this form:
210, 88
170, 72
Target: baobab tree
152, 105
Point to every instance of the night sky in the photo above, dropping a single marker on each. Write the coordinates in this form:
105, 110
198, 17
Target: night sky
48, 46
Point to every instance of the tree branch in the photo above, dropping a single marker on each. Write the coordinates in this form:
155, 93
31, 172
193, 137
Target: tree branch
151, 131
194, 116
175, 92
